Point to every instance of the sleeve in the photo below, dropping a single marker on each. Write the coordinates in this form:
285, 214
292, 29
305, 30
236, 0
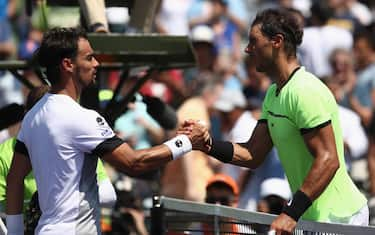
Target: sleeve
93, 134
310, 108
20, 147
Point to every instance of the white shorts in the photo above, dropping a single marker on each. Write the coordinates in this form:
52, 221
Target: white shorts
361, 218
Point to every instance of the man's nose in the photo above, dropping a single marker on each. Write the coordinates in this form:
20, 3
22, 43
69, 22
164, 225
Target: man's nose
96, 63
248, 50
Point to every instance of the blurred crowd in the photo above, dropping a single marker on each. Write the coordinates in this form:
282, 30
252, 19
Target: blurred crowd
224, 90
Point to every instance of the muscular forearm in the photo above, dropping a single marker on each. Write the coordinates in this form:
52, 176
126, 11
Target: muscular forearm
243, 157
239, 154
320, 175
250, 154
135, 162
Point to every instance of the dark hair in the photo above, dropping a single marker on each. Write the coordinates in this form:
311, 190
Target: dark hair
221, 2
367, 34
321, 11
220, 185
57, 44
280, 21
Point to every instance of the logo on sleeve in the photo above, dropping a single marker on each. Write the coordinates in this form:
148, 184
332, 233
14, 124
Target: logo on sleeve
107, 132
178, 143
100, 121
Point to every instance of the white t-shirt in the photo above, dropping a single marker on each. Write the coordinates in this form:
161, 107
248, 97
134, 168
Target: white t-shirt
317, 45
173, 16
352, 132
63, 141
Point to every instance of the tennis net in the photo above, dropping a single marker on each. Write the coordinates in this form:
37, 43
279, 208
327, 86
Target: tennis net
171, 216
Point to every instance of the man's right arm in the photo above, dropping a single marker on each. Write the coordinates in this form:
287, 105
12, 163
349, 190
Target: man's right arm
135, 162
20, 167
250, 154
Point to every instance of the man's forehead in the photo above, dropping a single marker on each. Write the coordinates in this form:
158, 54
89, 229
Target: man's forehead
255, 29
84, 46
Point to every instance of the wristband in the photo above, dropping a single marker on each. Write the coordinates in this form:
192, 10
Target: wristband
221, 150
179, 145
299, 204
15, 224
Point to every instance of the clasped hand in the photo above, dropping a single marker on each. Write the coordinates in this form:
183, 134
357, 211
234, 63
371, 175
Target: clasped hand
198, 134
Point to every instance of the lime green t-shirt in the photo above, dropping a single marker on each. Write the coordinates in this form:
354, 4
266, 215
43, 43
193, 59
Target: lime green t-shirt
304, 103
6, 156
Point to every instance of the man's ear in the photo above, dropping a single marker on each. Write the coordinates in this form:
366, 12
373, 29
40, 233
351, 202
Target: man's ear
277, 40
67, 65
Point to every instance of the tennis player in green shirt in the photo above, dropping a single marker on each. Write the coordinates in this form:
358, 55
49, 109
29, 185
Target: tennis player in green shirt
300, 118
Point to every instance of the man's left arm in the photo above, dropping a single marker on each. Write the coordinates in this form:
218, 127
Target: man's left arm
322, 146
20, 167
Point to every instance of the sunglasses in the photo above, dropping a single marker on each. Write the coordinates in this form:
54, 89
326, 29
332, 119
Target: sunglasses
226, 201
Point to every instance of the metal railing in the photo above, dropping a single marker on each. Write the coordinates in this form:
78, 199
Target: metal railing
177, 217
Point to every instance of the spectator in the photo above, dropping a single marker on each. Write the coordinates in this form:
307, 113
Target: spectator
202, 38
172, 18
342, 15
354, 135
360, 97
274, 195
342, 64
320, 39
360, 11
227, 33
7, 11
10, 88
137, 127
223, 190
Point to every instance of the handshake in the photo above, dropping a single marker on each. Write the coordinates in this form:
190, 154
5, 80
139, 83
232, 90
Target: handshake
198, 134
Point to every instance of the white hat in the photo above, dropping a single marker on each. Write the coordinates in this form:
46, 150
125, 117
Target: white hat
230, 99
275, 186
202, 33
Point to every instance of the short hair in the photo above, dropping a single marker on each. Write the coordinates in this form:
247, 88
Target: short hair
57, 44
367, 34
321, 11
280, 21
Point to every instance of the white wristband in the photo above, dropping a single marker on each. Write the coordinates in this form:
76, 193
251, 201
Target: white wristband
179, 145
15, 224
